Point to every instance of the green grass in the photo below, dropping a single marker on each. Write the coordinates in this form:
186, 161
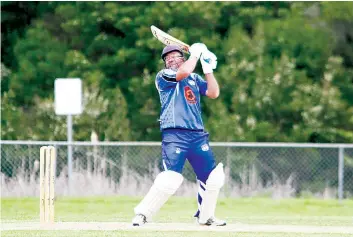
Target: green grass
178, 209
157, 234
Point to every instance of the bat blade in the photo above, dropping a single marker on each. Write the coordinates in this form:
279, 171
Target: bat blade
168, 39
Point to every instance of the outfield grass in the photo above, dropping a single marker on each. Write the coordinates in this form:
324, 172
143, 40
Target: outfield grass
177, 209
157, 234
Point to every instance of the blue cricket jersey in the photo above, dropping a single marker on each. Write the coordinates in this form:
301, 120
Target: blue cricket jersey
180, 100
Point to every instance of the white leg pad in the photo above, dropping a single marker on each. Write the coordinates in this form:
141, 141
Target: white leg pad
214, 183
164, 186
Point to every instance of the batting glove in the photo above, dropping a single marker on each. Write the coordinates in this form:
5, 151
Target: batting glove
197, 49
208, 61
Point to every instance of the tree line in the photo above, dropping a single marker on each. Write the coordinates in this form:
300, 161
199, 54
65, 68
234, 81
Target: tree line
285, 69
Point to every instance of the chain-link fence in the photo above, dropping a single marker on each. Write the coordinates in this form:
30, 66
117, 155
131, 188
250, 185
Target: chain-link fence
276, 170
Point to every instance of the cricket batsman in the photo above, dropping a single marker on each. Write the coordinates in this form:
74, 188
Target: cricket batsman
183, 134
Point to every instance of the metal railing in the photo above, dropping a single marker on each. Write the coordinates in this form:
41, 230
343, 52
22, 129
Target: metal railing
277, 170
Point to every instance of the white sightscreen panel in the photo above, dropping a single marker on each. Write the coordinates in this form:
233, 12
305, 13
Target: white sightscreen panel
68, 96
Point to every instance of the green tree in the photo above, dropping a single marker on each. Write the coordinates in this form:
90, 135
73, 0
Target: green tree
280, 76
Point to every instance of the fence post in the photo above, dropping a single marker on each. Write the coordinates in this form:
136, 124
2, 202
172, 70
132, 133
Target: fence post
340, 172
69, 152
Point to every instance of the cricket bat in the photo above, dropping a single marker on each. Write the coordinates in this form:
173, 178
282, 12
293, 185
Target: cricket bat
168, 39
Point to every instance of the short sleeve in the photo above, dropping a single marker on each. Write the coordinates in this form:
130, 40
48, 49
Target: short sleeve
201, 83
165, 78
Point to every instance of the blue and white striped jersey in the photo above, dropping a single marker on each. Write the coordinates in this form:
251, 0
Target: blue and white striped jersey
180, 101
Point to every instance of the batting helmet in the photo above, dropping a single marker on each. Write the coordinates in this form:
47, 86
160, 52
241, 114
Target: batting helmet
170, 48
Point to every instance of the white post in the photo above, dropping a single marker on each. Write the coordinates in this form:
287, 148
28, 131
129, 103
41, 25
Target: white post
69, 152
68, 101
